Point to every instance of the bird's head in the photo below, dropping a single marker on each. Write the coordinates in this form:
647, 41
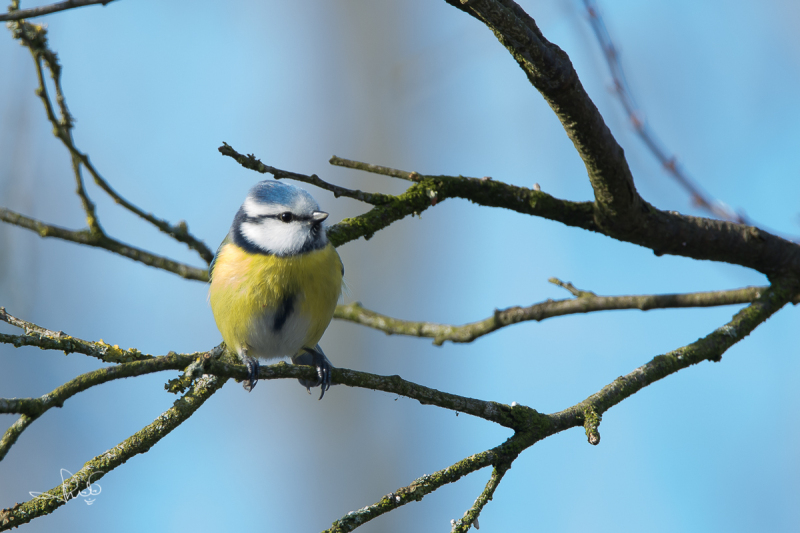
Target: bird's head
279, 219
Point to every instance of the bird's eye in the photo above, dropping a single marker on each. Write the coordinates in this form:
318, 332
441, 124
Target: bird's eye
285, 217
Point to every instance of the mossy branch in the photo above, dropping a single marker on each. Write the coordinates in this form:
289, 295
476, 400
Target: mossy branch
462, 525
101, 465
32, 408
709, 348
425, 192
421, 487
529, 425
585, 302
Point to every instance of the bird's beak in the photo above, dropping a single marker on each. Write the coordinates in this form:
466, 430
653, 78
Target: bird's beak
319, 216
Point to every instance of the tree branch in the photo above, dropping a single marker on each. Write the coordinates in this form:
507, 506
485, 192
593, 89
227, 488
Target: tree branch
47, 339
529, 425
421, 487
549, 69
619, 211
101, 465
101, 240
586, 302
709, 348
640, 125
251, 162
52, 8
532, 426
427, 191
33, 408
374, 169
471, 516
34, 37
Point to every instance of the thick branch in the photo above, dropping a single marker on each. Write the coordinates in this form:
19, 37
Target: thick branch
619, 210
637, 119
549, 70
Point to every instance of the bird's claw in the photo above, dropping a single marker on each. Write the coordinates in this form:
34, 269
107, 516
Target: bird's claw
316, 358
252, 374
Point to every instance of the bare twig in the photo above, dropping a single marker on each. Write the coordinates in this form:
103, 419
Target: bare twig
637, 118
101, 240
577, 293
34, 37
52, 8
375, 169
586, 302
251, 162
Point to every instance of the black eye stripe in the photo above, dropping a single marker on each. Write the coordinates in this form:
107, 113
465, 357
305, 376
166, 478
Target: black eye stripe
278, 216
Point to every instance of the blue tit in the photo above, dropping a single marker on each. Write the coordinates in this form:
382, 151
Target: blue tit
275, 281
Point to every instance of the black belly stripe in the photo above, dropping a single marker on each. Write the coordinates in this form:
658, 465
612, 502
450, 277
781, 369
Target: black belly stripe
283, 312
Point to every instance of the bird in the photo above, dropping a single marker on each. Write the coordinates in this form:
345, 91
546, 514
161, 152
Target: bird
276, 280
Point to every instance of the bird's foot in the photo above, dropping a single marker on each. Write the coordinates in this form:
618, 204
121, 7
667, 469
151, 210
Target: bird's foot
252, 373
316, 358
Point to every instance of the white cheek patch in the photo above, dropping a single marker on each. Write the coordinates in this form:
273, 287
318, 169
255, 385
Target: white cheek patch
274, 236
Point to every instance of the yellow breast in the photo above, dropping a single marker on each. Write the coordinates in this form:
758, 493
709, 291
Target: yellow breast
246, 288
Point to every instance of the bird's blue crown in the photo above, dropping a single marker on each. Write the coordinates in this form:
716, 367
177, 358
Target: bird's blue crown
276, 192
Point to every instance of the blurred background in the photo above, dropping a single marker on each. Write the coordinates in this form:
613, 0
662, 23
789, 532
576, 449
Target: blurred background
156, 87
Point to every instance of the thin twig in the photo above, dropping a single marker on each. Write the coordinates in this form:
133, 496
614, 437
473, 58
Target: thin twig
101, 240
52, 8
423, 486
375, 169
250, 161
470, 518
587, 302
34, 37
669, 162
99, 466
709, 348
32, 408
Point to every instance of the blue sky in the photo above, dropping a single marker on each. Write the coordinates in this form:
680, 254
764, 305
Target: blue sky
157, 87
